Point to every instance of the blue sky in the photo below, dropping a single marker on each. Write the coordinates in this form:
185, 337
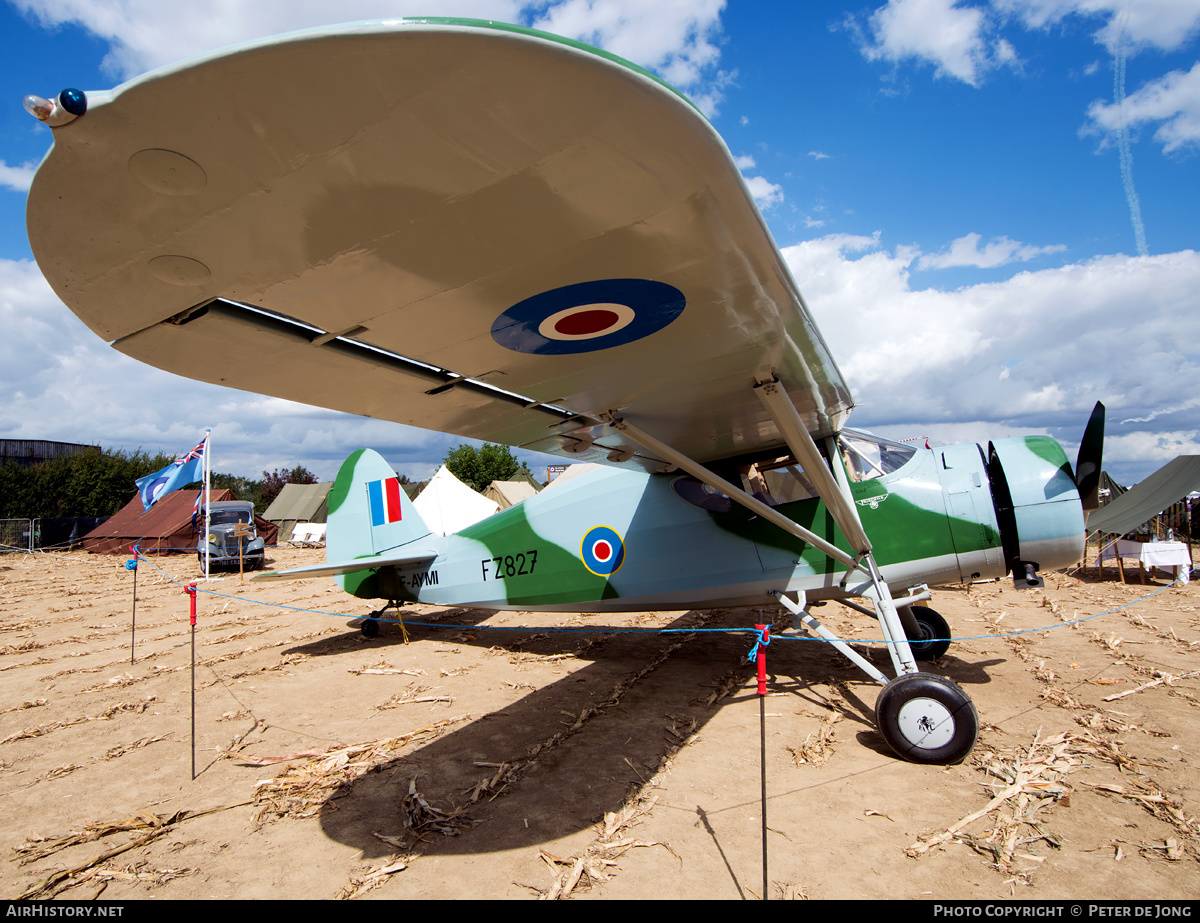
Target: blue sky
944, 178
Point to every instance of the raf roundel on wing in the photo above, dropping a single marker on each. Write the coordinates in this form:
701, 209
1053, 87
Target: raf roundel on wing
588, 316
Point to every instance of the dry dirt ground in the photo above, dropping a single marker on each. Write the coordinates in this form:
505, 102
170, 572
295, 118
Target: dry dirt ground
464, 761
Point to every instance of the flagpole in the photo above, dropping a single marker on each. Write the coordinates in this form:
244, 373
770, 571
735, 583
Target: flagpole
207, 504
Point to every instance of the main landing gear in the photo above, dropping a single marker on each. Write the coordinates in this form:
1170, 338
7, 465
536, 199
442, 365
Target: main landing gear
924, 717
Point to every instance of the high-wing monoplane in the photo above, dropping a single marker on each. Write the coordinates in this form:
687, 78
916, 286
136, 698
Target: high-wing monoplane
510, 236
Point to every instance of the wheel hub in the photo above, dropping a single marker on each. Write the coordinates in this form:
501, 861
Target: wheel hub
926, 723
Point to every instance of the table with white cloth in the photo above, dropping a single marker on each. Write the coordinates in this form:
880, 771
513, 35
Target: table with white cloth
1154, 554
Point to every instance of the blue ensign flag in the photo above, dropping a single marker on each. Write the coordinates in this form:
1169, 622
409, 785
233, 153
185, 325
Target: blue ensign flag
182, 471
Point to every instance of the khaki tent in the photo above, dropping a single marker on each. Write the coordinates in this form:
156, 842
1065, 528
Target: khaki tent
299, 503
509, 493
165, 527
1146, 499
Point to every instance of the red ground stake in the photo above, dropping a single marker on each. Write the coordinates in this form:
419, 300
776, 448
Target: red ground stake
763, 641
190, 589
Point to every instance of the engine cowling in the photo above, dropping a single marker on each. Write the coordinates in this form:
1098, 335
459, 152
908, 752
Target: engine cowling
1037, 505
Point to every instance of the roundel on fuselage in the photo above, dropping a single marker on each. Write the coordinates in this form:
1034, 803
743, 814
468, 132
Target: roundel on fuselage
602, 551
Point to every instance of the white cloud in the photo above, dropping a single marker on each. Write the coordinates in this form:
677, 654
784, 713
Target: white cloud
764, 191
675, 38
818, 155
1172, 100
145, 34
1114, 328
1000, 250
1164, 24
17, 178
943, 33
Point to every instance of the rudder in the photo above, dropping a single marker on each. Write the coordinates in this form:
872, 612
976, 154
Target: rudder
369, 512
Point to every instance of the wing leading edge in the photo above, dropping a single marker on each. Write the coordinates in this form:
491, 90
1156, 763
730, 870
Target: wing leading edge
476, 229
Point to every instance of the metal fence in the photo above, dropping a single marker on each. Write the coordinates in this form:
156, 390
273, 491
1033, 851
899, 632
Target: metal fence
18, 534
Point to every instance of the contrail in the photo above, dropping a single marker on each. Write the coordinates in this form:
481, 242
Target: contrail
1131, 196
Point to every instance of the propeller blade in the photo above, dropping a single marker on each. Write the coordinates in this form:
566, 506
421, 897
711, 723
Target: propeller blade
1090, 459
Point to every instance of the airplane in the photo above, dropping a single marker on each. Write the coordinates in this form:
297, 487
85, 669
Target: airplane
507, 235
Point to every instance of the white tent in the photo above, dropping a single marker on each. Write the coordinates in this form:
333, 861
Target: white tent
448, 505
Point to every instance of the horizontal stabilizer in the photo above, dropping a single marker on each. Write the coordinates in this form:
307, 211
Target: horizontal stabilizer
347, 567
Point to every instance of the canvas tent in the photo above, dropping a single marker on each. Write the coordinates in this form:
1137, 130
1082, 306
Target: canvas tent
1146, 499
509, 493
574, 471
299, 503
448, 505
165, 527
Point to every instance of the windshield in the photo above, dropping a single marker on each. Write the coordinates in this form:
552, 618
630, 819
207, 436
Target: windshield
870, 456
229, 517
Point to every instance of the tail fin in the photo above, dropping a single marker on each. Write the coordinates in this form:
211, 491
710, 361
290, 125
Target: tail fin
369, 512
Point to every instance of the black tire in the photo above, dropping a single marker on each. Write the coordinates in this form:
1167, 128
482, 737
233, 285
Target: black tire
927, 718
933, 634
369, 628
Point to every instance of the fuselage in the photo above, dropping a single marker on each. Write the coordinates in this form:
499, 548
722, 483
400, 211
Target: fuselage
614, 540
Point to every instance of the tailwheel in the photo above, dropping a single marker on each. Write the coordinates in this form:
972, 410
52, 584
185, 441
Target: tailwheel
369, 628
927, 718
932, 638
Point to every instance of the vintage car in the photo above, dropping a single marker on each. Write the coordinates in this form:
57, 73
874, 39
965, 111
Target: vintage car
220, 542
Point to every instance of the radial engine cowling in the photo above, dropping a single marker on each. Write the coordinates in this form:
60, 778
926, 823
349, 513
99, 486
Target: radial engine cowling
1037, 506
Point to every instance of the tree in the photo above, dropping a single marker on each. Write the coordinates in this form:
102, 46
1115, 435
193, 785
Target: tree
92, 483
273, 482
477, 468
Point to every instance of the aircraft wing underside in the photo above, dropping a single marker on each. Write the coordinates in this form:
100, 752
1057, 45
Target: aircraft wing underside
476, 229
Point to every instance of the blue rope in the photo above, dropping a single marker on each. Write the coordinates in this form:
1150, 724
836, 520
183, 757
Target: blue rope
763, 640
752, 655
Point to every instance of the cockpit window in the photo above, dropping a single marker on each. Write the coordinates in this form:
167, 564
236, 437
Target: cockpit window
870, 456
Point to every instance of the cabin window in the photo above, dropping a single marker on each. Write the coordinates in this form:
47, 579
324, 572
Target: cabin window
776, 481
869, 456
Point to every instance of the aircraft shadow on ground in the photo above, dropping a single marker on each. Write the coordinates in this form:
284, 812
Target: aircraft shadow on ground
575, 780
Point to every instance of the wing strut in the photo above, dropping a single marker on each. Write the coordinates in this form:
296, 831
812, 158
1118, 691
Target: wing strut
716, 482
799, 440
836, 497
834, 490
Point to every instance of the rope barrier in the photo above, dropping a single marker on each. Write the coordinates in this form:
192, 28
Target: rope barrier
746, 630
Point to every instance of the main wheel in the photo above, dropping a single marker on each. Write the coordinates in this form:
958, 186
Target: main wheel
369, 628
933, 634
927, 718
